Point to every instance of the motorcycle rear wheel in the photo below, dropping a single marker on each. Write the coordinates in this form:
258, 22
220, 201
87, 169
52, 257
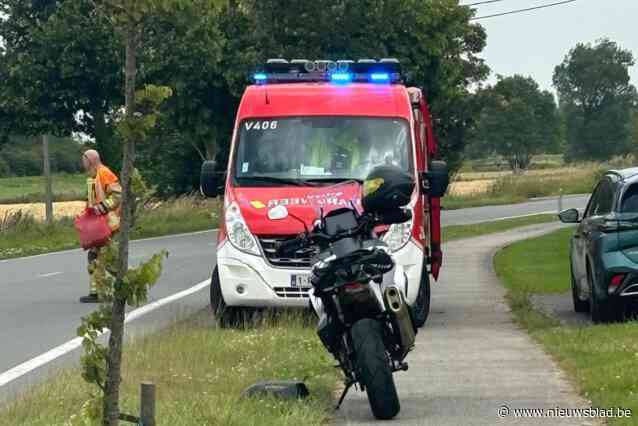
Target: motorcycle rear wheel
373, 368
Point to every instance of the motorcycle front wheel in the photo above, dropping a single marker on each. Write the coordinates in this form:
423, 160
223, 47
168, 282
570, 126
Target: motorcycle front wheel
373, 368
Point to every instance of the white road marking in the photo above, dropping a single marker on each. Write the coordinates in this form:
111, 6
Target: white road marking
41, 360
522, 216
50, 274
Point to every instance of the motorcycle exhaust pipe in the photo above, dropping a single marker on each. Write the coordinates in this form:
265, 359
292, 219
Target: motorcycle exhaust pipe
400, 318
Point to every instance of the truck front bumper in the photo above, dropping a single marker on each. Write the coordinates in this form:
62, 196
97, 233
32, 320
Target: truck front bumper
249, 280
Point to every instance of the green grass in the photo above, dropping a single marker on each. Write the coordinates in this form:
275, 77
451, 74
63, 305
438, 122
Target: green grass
456, 232
542, 161
31, 189
27, 237
600, 359
455, 202
200, 372
522, 264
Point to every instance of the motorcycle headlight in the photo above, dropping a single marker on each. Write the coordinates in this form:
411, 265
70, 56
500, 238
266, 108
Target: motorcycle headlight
399, 234
238, 232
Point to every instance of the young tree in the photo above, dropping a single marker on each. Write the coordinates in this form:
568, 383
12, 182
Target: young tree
518, 121
596, 96
119, 283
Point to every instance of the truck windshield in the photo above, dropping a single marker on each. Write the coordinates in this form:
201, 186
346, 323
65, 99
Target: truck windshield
313, 150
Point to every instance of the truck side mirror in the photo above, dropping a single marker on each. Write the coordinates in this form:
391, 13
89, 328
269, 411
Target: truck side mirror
210, 179
436, 179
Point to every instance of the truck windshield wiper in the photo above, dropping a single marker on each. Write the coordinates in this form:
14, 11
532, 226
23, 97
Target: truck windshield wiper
277, 180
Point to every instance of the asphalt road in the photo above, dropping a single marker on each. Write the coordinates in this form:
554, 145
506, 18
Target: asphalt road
39, 306
484, 214
471, 359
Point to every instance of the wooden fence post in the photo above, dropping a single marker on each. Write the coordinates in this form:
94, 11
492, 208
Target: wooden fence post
48, 190
147, 408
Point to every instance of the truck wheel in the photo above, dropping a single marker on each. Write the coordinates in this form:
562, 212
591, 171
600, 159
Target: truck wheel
579, 305
373, 368
422, 304
226, 316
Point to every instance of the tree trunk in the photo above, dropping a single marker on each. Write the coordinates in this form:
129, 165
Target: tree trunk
48, 185
114, 361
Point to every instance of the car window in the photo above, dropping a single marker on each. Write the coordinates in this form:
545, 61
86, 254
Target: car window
630, 200
602, 201
594, 201
606, 198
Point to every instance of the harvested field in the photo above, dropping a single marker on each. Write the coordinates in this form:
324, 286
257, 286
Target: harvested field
62, 209
469, 188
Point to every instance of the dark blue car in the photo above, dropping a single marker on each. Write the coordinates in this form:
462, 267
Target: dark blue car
604, 248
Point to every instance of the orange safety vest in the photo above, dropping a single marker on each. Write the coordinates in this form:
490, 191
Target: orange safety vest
98, 189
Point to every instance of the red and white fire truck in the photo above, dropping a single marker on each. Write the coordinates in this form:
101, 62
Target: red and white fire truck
306, 135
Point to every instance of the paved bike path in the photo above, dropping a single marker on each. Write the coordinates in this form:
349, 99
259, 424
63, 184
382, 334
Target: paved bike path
471, 358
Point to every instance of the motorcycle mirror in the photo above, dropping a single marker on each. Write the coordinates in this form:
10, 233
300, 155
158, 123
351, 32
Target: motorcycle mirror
278, 213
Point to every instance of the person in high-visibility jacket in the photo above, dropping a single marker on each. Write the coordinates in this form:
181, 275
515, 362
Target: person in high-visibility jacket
341, 153
104, 197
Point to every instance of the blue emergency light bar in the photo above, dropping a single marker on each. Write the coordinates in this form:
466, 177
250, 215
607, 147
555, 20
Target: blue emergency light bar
384, 71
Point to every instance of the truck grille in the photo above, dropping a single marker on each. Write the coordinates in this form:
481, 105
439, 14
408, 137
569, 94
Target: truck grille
300, 259
291, 292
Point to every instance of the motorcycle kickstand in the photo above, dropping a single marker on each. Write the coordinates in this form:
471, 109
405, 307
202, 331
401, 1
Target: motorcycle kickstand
343, 394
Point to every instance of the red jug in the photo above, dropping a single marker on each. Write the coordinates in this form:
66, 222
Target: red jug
93, 229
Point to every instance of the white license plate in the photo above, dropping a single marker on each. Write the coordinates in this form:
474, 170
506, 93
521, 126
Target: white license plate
300, 281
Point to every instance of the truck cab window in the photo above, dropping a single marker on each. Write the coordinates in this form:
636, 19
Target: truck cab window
319, 148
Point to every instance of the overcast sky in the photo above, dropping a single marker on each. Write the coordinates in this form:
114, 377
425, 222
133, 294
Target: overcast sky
533, 43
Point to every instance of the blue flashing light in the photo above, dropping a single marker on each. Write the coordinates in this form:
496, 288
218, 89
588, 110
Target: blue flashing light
341, 77
260, 77
380, 77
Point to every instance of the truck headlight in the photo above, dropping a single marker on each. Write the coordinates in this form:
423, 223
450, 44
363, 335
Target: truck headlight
238, 232
399, 234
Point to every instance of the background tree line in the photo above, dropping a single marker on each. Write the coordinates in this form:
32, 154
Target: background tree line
22, 156
595, 118
61, 65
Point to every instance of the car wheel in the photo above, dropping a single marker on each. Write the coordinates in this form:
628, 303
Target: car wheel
226, 316
579, 305
602, 311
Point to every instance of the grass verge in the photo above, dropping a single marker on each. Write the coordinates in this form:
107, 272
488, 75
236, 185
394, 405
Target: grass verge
600, 359
457, 232
455, 202
200, 372
25, 236
30, 189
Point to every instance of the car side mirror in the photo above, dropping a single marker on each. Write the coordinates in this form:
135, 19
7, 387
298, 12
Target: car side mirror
211, 180
569, 216
437, 179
